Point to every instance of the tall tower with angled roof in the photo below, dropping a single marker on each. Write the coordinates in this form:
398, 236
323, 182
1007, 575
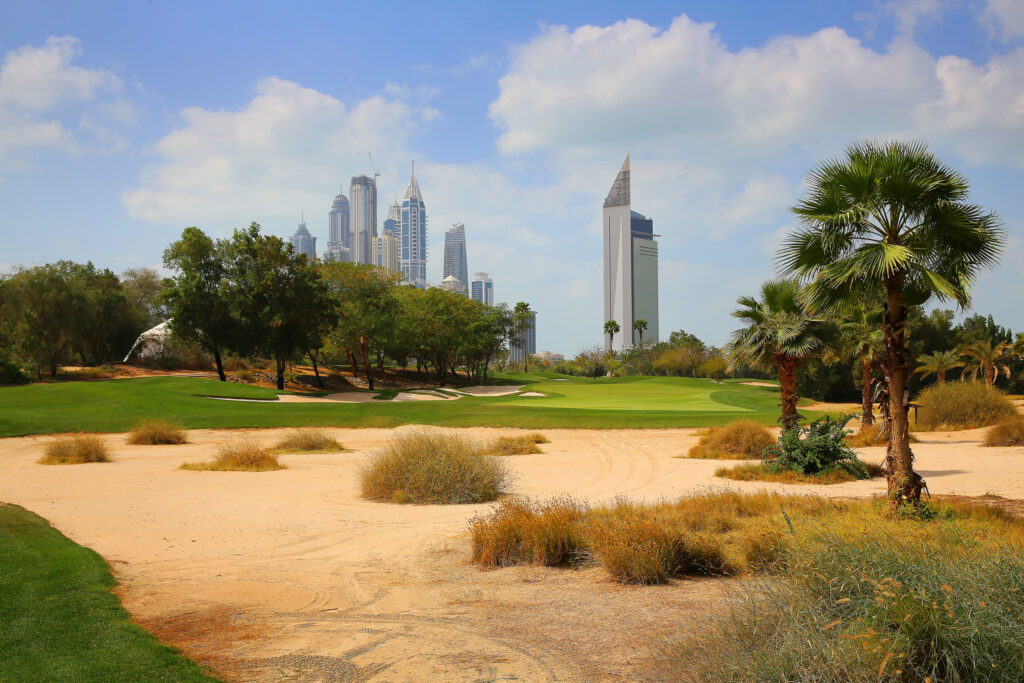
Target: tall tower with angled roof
630, 266
414, 234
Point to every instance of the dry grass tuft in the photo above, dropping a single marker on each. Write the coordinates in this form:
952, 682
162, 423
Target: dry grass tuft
519, 531
961, 405
433, 467
157, 433
1009, 432
868, 437
76, 449
239, 456
517, 445
739, 440
309, 440
758, 472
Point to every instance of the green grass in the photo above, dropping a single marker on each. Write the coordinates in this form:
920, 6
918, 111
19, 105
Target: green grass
58, 619
626, 402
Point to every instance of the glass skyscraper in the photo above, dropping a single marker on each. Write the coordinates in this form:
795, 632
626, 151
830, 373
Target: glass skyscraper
414, 234
363, 192
339, 230
482, 289
303, 242
455, 254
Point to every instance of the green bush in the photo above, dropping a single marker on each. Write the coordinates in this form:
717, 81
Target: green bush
818, 449
11, 373
961, 405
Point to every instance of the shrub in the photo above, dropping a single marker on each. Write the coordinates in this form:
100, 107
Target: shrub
760, 472
157, 432
520, 531
961, 405
869, 436
309, 440
239, 456
517, 445
737, 440
75, 450
1009, 432
862, 598
817, 449
11, 373
433, 467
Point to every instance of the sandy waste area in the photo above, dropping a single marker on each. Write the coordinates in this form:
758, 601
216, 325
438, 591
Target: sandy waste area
291, 575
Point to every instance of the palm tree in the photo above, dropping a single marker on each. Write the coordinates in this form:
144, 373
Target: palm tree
640, 325
892, 215
522, 318
938, 364
860, 338
988, 359
778, 334
611, 328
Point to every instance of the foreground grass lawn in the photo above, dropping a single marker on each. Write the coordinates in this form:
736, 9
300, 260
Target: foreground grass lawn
609, 403
58, 620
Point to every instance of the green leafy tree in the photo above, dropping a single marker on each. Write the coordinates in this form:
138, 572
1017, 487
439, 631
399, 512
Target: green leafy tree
778, 333
938, 364
988, 359
611, 328
197, 294
892, 215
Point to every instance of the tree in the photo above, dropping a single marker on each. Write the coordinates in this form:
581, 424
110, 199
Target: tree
892, 215
640, 325
523, 320
197, 294
778, 333
988, 359
143, 287
591, 361
938, 364
611, 328
861, 339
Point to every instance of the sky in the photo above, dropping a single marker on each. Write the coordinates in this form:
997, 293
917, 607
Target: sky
122, 123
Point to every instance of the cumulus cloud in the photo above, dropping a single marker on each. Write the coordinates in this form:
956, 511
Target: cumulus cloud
1004, 18
47, 101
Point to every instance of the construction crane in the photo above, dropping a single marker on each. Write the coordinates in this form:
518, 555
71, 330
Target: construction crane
376, 171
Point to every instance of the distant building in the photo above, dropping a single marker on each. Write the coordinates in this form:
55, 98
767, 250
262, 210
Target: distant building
455, 254
453, 284
414, 234
550, 357
529, 341
630, 266
363, 193
303, 242
386, 251
482, 289
339, 230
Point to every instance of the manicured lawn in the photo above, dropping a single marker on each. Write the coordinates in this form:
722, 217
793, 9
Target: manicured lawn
626, 402
58, 620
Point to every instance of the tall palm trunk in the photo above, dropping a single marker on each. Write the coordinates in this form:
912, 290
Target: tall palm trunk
904, 484
787, 366
867, 416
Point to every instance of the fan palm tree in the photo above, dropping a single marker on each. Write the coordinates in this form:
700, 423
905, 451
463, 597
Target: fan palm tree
639, 325
988, 359
938, 364
611, 328
777, 333
892, 215
861, 338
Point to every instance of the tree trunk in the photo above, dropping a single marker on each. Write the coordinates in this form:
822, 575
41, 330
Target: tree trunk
867, 417
352, 365
220, 365
280, 363
942, 376
990, 376
316, 370
787, 390
364, 353
380, 361
904, 484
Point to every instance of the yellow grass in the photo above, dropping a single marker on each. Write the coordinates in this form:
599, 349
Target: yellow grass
737, 440
757, 472
961, 405
157, 432
517, 445
239, 456
308, 440
76, 449
868, 436
1009, 432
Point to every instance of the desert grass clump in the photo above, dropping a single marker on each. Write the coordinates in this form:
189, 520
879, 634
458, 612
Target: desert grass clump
157, 433
865, 598
961, 405
239, 456
869, 436
525, 444
759, 472
433, 467
308, 440
738, 440
1009, 432
76, 449
521, 531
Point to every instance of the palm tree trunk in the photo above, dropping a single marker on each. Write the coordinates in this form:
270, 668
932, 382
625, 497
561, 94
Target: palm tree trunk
867, 416
942, 376
787, 390
904, 484
280, 362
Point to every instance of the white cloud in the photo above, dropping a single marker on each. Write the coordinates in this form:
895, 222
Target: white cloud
909, 14
46, 101
1004, 18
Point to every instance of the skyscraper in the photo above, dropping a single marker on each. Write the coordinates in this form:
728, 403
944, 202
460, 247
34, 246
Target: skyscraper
630, 266
363, 192
482, 289
414, 234
455, 254
339, 230
386, 251
303, 242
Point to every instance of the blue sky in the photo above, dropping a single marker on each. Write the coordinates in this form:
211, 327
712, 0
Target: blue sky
122, 123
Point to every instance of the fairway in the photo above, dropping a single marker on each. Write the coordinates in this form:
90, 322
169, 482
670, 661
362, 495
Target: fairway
581, 403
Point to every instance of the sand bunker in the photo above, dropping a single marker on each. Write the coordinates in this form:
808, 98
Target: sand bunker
402, 396
291, 575
761, 384
532, 393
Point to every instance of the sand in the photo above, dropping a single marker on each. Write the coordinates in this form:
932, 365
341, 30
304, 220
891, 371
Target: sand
290, 575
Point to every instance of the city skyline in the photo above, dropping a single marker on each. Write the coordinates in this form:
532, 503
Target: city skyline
514, 117
455, 263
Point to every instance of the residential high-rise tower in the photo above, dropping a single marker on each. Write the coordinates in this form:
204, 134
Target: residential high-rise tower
363, 194
303, 242
630, 266
339, 230
482, 289
414, 234
455, 254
